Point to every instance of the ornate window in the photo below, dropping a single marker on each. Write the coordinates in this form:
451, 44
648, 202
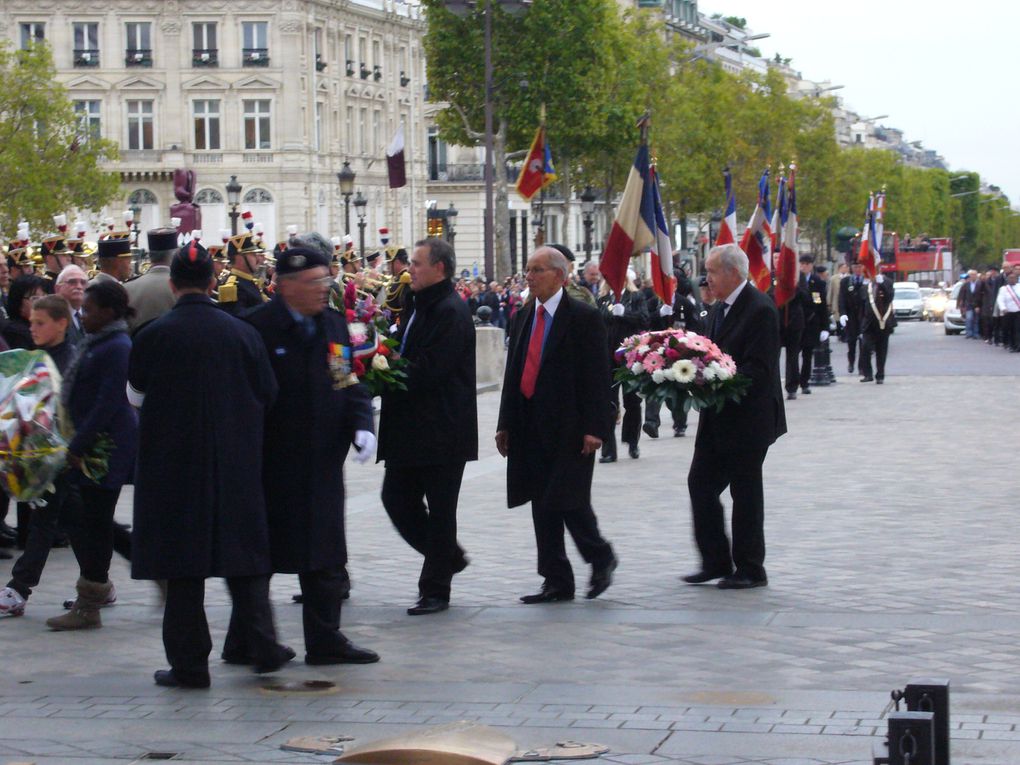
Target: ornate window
209, 197
142, 197
258, 197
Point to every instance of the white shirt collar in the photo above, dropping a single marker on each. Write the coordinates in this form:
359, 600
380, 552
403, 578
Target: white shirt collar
552, 303
734, 295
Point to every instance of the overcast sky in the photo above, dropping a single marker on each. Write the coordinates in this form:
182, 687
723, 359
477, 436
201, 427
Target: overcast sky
945, 72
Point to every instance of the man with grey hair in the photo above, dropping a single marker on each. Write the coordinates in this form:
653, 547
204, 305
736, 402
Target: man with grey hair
553, 417
150, 294
70, 285
731, 443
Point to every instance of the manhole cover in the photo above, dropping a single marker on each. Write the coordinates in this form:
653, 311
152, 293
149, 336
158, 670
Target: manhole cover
308, 687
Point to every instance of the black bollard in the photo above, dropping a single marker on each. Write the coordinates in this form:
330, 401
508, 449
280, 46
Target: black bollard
932, 696
821, 370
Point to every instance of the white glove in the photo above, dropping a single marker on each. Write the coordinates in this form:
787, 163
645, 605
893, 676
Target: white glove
880, 278
393, 328
843, 320
823, 337
617, 309
364, 443
666, 310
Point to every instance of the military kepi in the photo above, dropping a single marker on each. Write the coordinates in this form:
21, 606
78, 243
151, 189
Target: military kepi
297, 259
114, 246
162, 239
191, 263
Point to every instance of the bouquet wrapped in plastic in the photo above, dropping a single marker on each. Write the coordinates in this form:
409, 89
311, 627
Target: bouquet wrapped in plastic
373, 353
33, 450
680, 368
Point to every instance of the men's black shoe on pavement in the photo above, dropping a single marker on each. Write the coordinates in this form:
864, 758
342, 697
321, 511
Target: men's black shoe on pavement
850, 369
428, 605
791, 395
652, 431
601, 578
739, 582
607, 459
283, 654
461, 564
633, 451
879, 380
867, 379
167, 679
701, 577
548, 595
348, 654
806, 391
679, 432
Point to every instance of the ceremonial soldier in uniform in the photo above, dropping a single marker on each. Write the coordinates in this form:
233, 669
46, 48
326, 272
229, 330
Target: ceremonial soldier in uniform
320, 412
113, 257
816, 316
398, 293
241, 290
150, 294
877, 323
851, 306
791, 330
55, 257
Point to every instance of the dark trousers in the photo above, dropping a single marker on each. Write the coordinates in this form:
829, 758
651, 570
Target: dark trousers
710, 473
580, 521
852, 338
874, 343
322, 593
986, 324
91, 531
1011, 330
807, 354
43, 527
652, 409
430, 529
791, 343
186, 631
630, 432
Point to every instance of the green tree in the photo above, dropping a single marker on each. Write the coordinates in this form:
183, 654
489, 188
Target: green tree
48, 165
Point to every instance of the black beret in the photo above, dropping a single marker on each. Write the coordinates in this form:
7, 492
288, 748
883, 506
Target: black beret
191, 263
563, 250
162, 239
297, 259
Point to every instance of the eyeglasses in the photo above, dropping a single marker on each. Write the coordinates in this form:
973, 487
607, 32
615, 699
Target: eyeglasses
75, 281
537, 270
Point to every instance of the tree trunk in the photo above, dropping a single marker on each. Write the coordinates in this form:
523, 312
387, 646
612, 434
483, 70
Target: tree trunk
501, 215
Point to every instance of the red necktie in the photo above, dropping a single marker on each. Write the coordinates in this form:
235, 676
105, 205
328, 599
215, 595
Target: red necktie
534, 358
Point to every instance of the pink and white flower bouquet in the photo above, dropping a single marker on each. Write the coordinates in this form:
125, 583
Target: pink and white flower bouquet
680, 368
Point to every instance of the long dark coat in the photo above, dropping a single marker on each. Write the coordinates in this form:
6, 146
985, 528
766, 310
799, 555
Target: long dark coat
750, 334
435, 421
199, 508
309, 431
571, 400
884, 293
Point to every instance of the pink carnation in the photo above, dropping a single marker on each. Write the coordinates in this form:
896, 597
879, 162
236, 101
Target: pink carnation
672, 354
631, 357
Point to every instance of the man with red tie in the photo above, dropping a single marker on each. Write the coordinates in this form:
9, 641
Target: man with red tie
553, 416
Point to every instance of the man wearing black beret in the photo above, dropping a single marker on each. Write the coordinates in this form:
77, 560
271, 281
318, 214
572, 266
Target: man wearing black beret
199, 507
322, 410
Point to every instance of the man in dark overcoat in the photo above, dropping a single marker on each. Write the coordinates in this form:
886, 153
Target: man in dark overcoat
198, 506
816, 317
428, 432
553, 417
321, 411
731, 444
851, 307
877, 323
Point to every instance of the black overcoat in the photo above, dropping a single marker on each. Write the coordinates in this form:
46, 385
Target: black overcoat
435, 421
883, 293
571, 400
750, 334
199, 509
309, 430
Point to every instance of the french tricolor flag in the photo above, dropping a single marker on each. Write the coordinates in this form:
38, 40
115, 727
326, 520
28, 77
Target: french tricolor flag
639, 225
728, 225
786, 266
757, 239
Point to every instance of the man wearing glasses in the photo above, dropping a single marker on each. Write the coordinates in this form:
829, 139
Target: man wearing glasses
70, 285
320, 412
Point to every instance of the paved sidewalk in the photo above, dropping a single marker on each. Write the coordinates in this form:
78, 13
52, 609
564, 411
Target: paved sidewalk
892, 556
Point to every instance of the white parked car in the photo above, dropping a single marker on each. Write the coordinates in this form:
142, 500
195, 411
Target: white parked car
952, 319
907, 301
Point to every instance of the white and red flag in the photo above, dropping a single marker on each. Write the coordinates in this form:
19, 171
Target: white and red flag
786, 265
728, 225
757, 239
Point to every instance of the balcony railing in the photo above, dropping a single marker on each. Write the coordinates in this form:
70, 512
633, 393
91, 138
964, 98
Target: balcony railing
365, 72
138, 57
350, 68
205, 57
404, 80
206, 159
255, 56
86, 56
377, 72
262, 158
320, 65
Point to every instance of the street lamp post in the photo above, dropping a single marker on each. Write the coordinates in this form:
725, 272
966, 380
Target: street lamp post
360, 203
451, 220
588, 215
233, 199
346, 180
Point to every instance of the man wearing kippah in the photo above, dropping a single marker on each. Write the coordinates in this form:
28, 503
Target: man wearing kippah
199, 507
322, 410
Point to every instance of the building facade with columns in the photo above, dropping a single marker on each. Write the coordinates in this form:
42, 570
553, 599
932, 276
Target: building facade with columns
276, 92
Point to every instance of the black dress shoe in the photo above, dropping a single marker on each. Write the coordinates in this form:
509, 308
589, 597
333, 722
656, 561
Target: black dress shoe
740, 582
652, 431
283, 653
601, 578
701, 577
167, 679
791, 395
806, 391
548, 595
633, 451
679, 432
462, 563
606, 459
879, 380
869, 378
428, 606
348, 654
850, 369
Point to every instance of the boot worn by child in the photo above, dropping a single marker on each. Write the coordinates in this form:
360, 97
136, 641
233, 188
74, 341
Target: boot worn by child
84, 614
